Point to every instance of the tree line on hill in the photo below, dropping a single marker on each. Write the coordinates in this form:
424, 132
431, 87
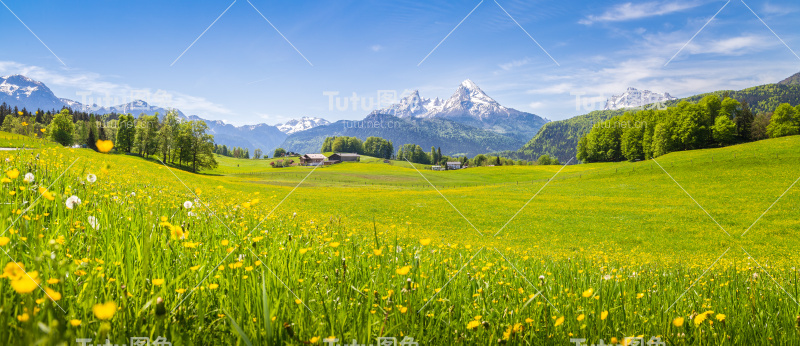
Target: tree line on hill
373, 146
172, 139
713, 121
238, 153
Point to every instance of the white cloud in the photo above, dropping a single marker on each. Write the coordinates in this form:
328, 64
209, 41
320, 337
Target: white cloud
733, 45
632, 11
376, 48
536, 105
514, 64
94, 86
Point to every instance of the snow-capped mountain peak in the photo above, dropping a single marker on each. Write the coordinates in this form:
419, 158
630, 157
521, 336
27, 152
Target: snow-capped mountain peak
634, 98
302, 124
28, 93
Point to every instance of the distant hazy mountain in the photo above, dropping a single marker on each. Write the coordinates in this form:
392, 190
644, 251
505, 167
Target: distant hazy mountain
634, 98
261, 136
793, 80
137, 108
469, 105
302, 124
454, 138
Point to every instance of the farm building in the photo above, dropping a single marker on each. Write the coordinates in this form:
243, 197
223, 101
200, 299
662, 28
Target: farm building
437, 168
345, 157
453, 165
312, 159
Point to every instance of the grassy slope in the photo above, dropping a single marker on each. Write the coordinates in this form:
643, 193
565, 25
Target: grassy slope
560, 138
629, 217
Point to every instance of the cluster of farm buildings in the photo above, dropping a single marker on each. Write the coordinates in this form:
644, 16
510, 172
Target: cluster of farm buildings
320, 159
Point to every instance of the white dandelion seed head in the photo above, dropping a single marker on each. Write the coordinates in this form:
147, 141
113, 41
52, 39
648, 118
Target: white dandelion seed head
187, 205
91, 178
94, 223
541, 277
29, 178
399, 249
133, 194
72, 202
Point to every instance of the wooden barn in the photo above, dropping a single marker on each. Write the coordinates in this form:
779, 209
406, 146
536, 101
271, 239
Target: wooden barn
342, 157
312, 159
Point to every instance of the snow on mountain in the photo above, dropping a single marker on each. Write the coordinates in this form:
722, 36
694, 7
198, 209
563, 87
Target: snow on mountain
634, 98
23, 92
469, 105
302, 124
136, 108
412, 106
468, 101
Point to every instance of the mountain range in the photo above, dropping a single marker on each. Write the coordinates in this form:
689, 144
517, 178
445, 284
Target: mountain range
469, 122
634, 98
469, 105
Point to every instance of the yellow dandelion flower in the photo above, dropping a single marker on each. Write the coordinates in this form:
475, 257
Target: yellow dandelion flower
75, 322
104, 146
588, 293
473, 324
581, 317
158, 282
403, 270
105, 311
559, 321
53, 295
425, 241
678, 322
604, 315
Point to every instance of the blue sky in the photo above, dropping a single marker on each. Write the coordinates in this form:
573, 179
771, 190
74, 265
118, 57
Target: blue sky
243, 71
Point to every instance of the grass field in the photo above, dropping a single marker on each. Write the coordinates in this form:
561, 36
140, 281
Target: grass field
363, 250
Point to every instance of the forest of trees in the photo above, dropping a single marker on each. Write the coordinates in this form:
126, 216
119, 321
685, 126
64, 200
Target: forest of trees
169, 138
236, 152
373, 146
711, 122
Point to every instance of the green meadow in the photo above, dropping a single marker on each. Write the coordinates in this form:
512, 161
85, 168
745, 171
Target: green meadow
250, 254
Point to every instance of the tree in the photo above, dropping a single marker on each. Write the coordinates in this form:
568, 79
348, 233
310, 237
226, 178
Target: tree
544, 160
744, 122
784, 122
631, 146
479, 160
91, 137
257, 154
279, 152
126, 133
724, 130
758, 130
167, 133
62, 128
197, 147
